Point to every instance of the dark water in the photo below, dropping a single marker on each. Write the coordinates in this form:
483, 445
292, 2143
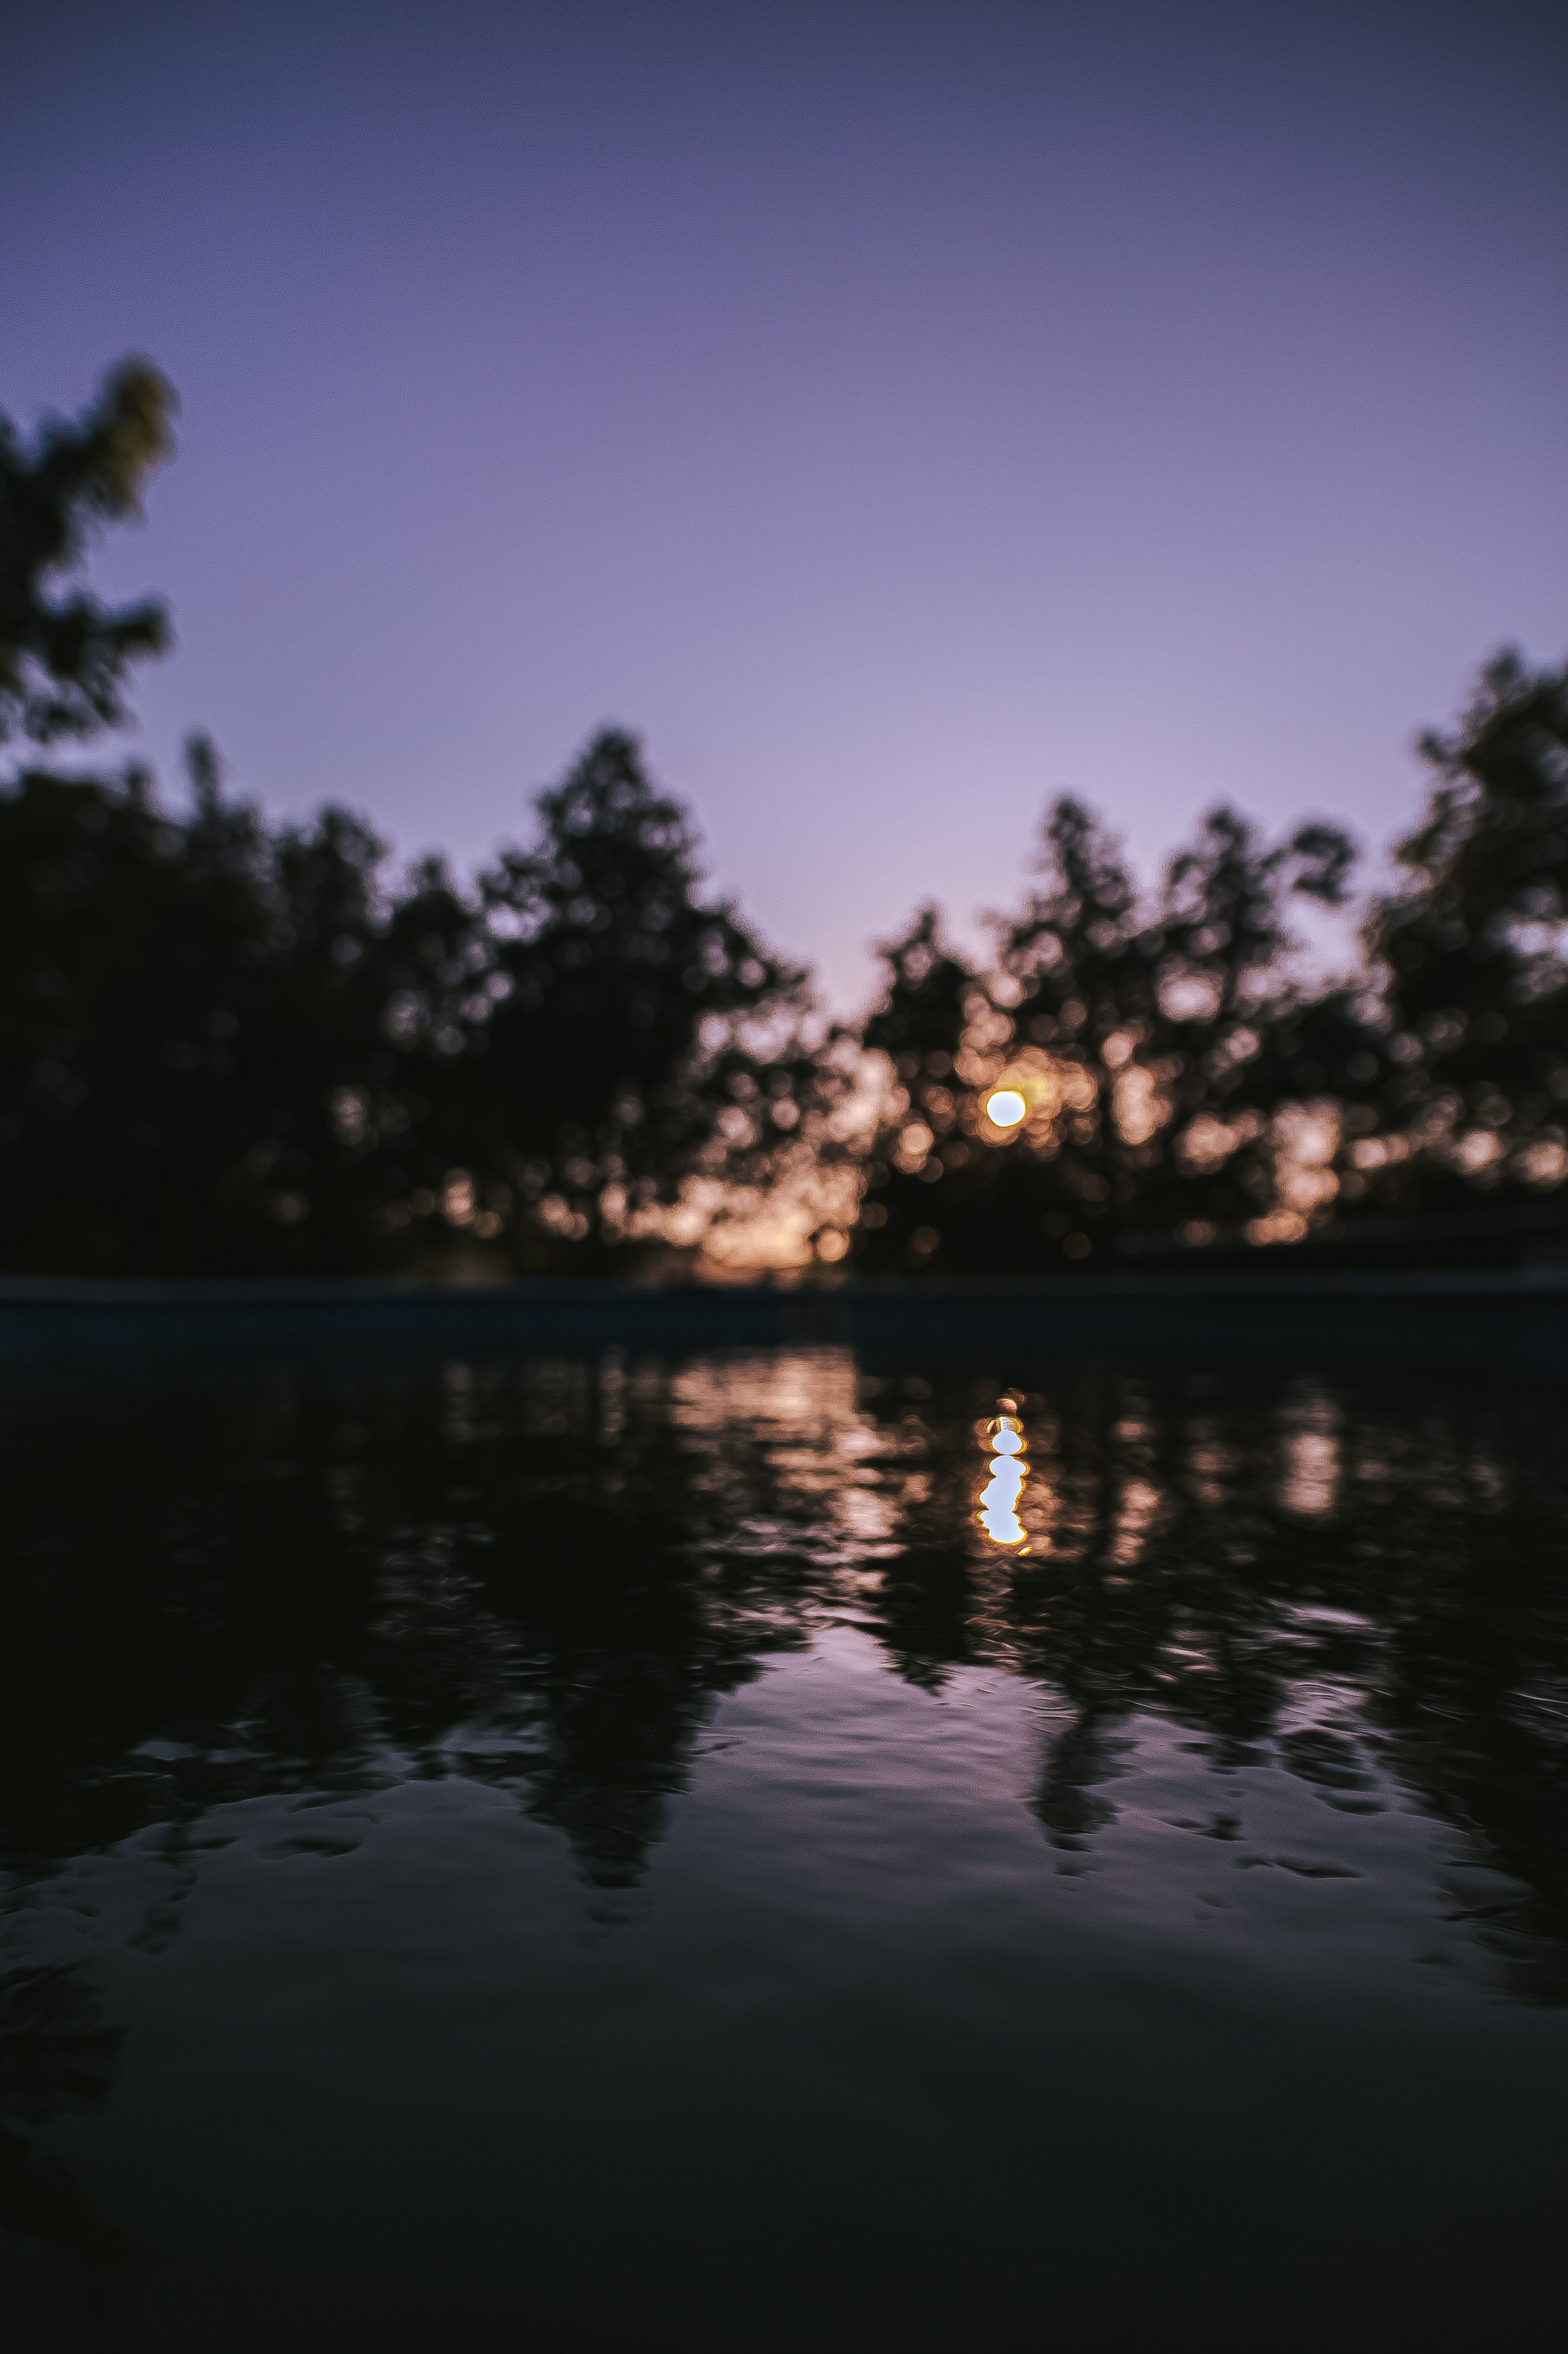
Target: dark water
563, 1853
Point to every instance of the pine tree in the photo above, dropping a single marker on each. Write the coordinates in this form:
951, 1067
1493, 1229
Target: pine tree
1085, 1005
633, 1026
923, 1171
1239, 1050
1470, 1088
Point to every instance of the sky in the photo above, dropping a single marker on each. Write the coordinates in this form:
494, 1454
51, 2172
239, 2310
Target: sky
895, 414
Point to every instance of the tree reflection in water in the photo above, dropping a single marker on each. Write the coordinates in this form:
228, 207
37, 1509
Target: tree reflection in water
57, 2052
542, 1573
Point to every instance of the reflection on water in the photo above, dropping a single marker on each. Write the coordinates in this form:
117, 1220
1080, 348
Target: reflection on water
57, 2052
1007, 1474
543, 1573
1313, 1635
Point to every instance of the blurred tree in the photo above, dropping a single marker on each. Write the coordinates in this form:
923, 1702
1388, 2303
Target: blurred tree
1083, 972
63, 655
924, 1176
1150, 1053
1235, 1048
231, 1047
191, 1032
633, 1033
226, 1047
1464, 1087
920, 1022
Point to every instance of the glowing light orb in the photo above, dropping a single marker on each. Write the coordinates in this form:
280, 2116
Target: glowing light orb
1006, 1108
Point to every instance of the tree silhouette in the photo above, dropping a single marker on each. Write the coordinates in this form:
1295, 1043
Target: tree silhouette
231, 1045
923, 1174
1152, 1047
63, 656
193, 1033
1471, 1065
630, 1023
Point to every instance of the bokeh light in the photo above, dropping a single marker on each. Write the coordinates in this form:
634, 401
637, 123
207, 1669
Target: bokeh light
996, 1507
1006, 1108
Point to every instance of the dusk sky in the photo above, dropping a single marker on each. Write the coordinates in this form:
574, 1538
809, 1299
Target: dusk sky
895, 414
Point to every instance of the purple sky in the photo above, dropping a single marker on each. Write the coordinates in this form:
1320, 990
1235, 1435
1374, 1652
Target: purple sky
896, 414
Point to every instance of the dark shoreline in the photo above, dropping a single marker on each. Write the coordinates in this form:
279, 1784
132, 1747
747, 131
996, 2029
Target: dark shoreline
1521, 1312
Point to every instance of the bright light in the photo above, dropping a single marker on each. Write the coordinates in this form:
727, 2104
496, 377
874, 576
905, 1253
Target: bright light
997, 1503
1006, 1108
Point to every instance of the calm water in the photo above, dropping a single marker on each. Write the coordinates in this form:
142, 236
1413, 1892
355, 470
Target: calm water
775, 1848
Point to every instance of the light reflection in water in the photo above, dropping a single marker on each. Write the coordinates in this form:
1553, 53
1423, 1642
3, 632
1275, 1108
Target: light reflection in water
554, 1570
997, 1506
1284, 1671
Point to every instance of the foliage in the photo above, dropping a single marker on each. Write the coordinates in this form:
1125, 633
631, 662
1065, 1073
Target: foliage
229, 1045
63, 656
1146, 1042
188, 1011
1473, 1055
1184, 1085
629, 1026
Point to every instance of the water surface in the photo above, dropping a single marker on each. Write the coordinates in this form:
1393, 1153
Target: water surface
777, 1845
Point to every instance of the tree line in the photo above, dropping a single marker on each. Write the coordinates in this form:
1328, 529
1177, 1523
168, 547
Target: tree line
234, 1045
